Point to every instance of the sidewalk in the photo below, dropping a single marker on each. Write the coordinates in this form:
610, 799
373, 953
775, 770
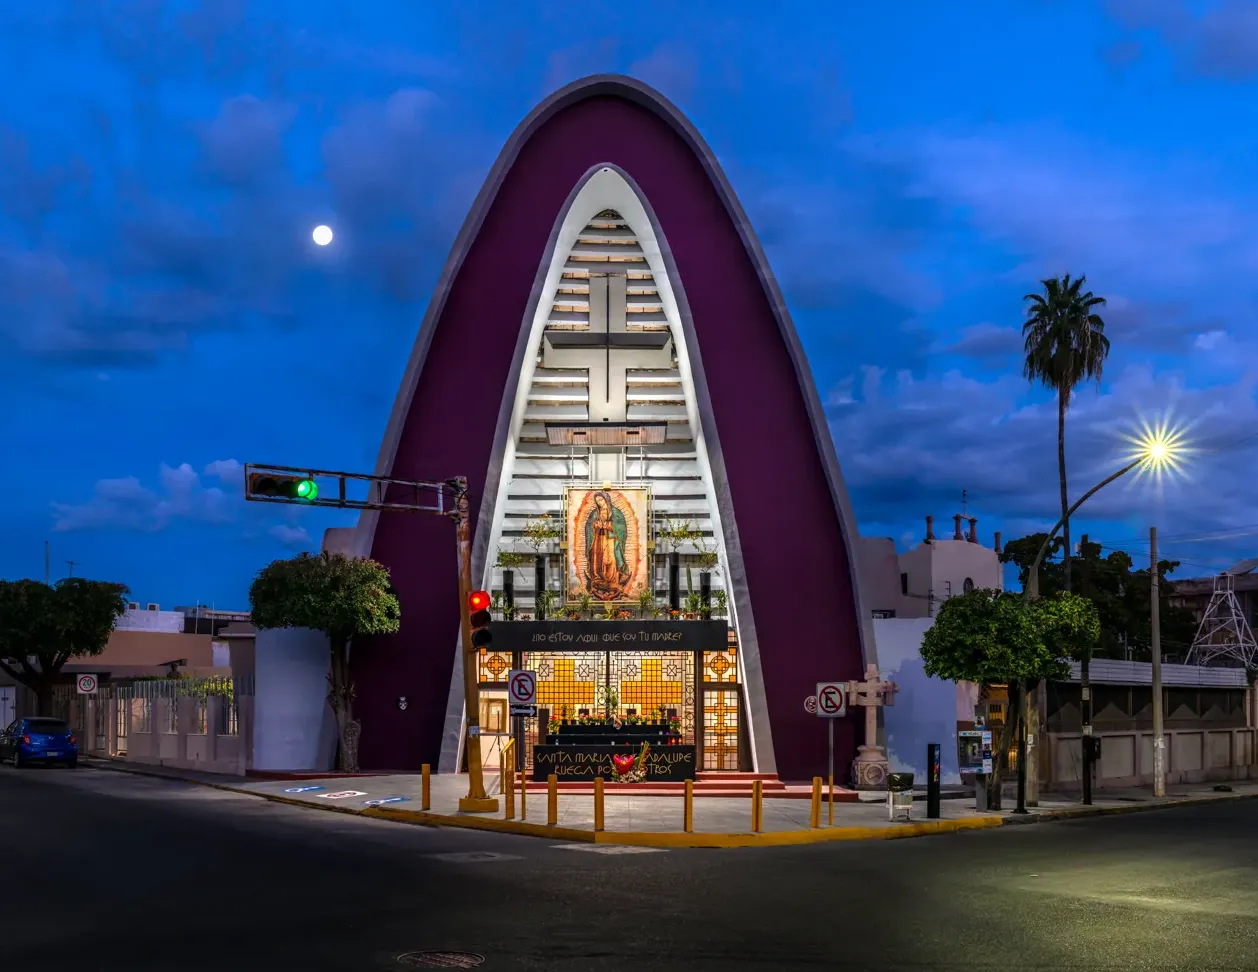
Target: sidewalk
658, 821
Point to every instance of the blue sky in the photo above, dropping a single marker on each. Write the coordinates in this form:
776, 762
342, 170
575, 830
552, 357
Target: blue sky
913, 169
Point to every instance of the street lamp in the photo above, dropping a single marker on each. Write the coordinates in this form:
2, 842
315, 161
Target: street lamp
1156, 451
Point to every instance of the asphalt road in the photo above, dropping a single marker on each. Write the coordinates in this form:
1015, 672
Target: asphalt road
106, 871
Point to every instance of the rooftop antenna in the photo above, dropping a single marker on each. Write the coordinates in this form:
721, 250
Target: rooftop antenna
964, 496
71, 563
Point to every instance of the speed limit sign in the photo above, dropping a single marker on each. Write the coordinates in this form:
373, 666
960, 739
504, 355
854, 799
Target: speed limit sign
86, 684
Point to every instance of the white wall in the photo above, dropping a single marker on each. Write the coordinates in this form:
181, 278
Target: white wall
925, 709
294, 728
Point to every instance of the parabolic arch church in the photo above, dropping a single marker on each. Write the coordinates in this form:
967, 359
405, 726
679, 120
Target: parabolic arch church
609, 361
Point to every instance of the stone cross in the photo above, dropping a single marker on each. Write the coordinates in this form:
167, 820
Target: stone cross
869, 770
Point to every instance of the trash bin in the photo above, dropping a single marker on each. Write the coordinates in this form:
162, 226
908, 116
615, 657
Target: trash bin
899, 796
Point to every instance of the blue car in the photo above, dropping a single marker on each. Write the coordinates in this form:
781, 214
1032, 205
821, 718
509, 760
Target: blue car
39, 740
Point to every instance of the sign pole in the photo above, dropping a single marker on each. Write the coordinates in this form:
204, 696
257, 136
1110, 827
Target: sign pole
830, 734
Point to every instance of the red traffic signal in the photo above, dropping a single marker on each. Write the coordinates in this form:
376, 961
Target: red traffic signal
479, 618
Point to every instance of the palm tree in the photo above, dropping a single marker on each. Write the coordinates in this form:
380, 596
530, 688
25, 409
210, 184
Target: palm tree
1065, 343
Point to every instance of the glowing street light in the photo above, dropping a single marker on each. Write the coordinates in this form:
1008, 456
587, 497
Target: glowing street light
322, 235
1156, 451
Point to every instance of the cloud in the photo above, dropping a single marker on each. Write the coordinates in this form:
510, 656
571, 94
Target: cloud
986, 343
1066, 202
908, 447
1219, 41
126, 504
292, 536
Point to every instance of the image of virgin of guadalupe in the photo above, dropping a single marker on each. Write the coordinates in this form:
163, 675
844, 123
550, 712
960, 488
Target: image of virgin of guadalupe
607, 573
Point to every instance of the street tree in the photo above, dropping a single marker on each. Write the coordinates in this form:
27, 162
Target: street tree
992, 637
1121, 595
343, 597
42, 627
1064, 343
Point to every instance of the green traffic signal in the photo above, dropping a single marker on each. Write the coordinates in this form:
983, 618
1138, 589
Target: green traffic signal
307, 489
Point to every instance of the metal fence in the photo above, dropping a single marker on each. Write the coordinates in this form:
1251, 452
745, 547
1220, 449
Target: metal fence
127, 705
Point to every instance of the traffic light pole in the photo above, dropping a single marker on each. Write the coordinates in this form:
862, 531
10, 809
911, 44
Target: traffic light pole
384, 494
476, 801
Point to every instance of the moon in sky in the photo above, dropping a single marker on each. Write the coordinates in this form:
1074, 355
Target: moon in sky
322, 235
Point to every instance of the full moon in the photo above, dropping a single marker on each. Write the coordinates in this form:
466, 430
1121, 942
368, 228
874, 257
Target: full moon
322, 235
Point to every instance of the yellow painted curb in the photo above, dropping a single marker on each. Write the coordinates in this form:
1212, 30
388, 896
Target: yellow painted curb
788, 838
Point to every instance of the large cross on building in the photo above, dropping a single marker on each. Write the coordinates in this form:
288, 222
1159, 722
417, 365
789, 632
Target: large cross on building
608, 351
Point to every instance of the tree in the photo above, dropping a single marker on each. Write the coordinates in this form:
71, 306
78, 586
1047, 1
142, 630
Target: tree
1065, 343
341, 596
42, 627
1120, 593
994, 637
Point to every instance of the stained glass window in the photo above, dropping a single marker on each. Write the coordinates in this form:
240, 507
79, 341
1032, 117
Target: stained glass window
721, 666
720, 729
494, 666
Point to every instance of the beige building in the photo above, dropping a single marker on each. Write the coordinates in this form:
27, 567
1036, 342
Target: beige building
915, 583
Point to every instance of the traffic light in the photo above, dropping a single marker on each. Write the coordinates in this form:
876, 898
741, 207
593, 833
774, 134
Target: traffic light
478, 618
286, 487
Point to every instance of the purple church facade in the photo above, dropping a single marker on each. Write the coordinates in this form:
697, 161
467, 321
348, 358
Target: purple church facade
787, 512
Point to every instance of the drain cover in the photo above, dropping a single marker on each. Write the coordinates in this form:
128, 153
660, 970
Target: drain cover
440, 960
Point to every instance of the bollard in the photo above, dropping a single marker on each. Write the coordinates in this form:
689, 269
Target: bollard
598, 803
552, 800
425, 787
524, 796
757, 806
832, 800
688, 808
508, 792
814, 814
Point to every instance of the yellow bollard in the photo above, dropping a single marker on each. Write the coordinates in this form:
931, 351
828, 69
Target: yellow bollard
814, 813
425, 788
524, 795
552, 800
688, 808
598, 803
509, 792
831, 801
757, 806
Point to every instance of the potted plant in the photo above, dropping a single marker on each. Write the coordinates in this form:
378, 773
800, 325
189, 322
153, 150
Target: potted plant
539, 532
544, 600
609, 611
673, 535
720, 602
585, 605
646, 603
694, 605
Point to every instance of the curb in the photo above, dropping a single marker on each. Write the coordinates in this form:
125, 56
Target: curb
675, 839
1049, 816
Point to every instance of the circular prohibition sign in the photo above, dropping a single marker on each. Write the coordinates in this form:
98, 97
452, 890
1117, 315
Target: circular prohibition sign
829, 700
523, 688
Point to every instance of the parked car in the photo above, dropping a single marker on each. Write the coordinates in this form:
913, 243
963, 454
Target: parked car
39, 739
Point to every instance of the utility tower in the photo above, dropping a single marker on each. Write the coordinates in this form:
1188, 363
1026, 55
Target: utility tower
1223, 634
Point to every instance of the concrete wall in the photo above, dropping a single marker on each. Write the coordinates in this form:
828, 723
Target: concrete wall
925, 709
112, 727
1192, 756
294, 728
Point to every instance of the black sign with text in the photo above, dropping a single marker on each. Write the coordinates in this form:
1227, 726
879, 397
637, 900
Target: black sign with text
670, 764
610, 635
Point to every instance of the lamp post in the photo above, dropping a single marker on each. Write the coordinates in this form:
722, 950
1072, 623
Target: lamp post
1156, 450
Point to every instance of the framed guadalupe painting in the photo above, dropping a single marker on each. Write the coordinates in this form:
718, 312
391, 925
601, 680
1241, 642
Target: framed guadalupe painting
608, 533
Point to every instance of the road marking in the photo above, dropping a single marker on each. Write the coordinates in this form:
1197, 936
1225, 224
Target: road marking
473, 857
609, 848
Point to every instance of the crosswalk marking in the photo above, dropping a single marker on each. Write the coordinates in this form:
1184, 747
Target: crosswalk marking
473, 857
610, 848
